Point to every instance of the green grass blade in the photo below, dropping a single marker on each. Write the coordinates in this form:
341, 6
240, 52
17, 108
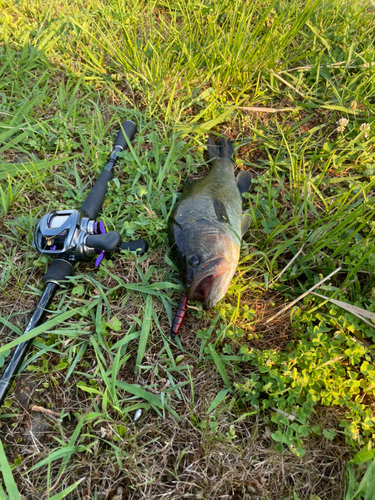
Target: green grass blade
141, 392
3, 495
65, 493
370, 492
368, 477
42, 328
14, 169
71, 444
8, 476
218, 399
146, 326
220, 367
65, 453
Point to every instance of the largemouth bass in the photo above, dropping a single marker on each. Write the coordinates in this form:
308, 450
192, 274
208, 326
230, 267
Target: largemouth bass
207, 225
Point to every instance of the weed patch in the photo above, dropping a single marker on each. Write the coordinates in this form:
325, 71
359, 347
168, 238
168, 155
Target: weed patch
243, 403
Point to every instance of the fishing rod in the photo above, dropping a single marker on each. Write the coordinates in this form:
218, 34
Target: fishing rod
70, 236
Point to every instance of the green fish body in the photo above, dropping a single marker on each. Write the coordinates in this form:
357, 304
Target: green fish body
206, 227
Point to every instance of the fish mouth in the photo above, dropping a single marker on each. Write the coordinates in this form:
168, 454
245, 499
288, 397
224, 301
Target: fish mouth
202, 289
202, 285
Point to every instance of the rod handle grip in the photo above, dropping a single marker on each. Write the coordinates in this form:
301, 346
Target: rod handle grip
58, 271
94, 201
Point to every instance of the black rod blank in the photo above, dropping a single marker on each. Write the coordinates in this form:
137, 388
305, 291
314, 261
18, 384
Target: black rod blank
94, 200
21, 350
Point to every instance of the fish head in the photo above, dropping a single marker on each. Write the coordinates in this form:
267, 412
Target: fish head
210, 261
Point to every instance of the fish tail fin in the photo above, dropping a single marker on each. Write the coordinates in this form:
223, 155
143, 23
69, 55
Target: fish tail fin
221, 150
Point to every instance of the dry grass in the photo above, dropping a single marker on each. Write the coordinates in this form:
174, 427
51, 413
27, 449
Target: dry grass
165, 458
169, 459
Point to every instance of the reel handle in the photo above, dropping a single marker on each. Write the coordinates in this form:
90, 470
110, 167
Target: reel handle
108, 242
94, 201
111, 242
139, 246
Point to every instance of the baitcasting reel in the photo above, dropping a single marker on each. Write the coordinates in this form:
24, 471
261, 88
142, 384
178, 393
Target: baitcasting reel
76, 236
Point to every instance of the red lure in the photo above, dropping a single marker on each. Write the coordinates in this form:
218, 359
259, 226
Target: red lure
180, 314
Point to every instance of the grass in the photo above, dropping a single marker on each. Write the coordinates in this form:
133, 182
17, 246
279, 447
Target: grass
243, 404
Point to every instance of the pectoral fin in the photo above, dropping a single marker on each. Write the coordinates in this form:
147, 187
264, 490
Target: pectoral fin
245, 223
243, 181
221, 211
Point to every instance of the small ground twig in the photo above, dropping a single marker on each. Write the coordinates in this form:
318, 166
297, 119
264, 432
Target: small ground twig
288, 306
52, 487
45, 410
286, 83
256, 109
287, 266
333, 65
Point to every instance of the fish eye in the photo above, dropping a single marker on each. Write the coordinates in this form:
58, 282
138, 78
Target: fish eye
194, 260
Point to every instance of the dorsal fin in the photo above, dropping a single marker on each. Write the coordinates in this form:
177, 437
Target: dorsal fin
220, 150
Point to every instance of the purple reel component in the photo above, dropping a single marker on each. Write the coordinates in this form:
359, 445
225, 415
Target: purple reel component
100, 257
99, 229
